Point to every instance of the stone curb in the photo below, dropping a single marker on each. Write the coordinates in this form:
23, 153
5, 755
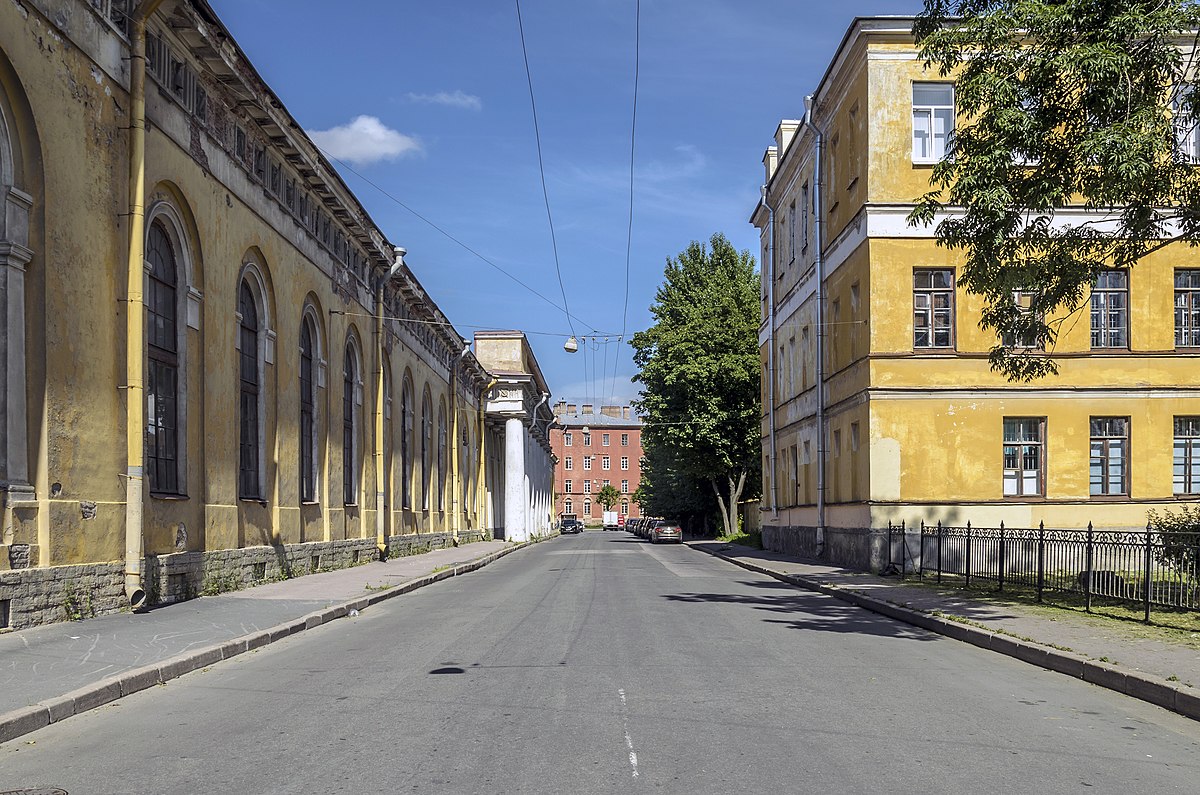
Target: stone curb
22, 721
1151, 689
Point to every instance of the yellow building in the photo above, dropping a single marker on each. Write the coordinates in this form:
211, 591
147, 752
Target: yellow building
284, 395
879, 404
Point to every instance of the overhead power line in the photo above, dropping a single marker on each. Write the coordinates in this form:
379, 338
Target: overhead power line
637, 49
542, 168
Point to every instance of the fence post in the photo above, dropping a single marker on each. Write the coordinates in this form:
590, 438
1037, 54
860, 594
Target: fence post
939, 552
1041, 573
1000, 582
1146, 578
903, 548
967, 584
921, 553
1087, 574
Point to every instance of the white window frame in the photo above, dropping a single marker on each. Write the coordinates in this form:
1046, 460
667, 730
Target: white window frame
927, 114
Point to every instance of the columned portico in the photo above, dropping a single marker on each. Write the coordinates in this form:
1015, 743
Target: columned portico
515, 501
518, 409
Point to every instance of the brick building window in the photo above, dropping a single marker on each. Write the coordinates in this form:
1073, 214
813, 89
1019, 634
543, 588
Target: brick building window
587, 462
624, 440
624, 462
605, 463
567, 439
587, 487
566, 487
604, 440
567, 463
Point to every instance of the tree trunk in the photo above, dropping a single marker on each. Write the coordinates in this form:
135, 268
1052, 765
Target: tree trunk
729, 510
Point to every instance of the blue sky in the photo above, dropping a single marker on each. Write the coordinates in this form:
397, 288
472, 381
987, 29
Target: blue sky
430, 103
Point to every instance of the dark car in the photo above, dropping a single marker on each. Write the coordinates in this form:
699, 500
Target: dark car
571, 526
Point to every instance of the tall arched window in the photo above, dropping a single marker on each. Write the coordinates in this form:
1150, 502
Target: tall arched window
567, 506
407, 423
249, 480
441, 458
162, 365
308, 410
426, 448
349, 448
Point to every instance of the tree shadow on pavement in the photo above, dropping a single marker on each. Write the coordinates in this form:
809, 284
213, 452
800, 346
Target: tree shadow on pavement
810, 611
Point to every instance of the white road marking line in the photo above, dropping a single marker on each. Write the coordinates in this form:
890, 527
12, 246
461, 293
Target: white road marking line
628, 739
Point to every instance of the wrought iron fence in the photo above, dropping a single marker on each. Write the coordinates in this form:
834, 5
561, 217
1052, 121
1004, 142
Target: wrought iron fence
1147, 567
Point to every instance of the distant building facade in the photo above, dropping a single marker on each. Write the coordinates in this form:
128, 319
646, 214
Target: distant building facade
595, 448
878, 401
214, 366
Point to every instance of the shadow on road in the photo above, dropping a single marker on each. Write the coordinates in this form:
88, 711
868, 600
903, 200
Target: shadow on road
810, 611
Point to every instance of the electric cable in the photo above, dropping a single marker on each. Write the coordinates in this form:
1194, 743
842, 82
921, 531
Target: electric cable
637, 50
537, 135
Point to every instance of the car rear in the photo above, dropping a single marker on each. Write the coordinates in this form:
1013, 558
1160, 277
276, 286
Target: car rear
667, 530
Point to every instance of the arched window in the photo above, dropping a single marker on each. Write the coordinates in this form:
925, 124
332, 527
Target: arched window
162, 365
426, 448
441, 458
308, 410
249, 479
406, 442
349, 426
567, 506
587, 508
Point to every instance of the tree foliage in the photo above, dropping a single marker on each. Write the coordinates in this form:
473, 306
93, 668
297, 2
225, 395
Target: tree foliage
1061, 103
608, 496
698, 366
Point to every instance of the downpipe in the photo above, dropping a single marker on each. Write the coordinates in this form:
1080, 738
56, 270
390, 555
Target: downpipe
819, 231
771, 362
135, 417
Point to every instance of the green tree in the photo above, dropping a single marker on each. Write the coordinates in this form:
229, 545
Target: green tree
698, 366
608, 496
1061, 103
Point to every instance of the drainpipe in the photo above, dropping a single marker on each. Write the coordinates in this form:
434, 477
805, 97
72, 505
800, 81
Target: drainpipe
455, 483
480, 482
135, 417
771, 363
819, 231
380, 475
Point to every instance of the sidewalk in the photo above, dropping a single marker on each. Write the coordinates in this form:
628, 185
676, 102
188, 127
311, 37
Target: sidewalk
51, 672
1106, 652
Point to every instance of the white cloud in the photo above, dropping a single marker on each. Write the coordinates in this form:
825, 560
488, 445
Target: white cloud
454, 100
365, 140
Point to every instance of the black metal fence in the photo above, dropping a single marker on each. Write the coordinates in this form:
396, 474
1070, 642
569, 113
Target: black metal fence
1147, 567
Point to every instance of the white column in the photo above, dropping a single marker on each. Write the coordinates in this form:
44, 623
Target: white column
515, 528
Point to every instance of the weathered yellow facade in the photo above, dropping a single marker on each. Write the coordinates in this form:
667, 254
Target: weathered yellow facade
306, 403
888, 428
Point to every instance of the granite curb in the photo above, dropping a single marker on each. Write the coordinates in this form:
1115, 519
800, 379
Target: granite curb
24, 720
1153, 690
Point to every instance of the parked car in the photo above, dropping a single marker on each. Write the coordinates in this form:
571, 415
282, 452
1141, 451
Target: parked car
571, 526
667, 530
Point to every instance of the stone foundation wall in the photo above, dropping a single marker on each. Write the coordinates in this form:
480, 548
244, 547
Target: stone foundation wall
29, 597
865, 549
33, 596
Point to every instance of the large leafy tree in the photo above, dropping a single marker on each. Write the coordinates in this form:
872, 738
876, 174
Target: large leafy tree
608, 496
698, 366
1061, 103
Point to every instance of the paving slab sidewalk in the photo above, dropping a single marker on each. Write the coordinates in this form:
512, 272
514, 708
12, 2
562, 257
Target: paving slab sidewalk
1108, 652
51, 672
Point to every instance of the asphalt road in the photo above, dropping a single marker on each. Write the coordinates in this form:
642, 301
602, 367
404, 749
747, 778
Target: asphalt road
599, 663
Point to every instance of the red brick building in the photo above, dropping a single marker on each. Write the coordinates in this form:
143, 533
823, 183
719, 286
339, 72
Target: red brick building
594, 448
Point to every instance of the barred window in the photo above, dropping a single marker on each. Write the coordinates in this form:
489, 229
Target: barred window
250, 486
308, 411
162, 354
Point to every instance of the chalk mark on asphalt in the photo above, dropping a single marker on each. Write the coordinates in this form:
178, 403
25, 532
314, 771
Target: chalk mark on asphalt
628, 739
